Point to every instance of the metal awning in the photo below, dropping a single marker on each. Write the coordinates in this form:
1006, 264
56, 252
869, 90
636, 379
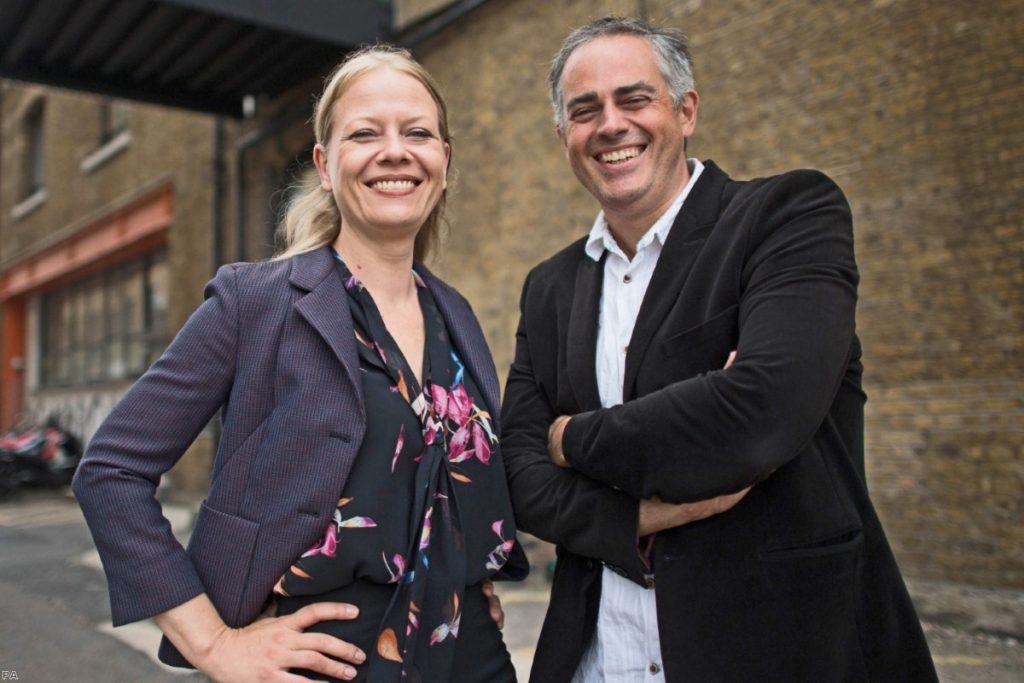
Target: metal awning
205, 55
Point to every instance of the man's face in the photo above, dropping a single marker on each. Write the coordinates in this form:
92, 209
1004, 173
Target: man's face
623, 135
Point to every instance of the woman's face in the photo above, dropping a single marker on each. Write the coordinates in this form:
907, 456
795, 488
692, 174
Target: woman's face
384, 162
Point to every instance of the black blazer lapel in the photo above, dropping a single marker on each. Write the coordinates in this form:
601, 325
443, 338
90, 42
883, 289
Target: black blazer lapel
581, 340
325, 307
699, 213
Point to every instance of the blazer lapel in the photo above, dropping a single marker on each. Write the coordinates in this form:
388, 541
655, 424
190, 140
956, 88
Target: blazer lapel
581, 342
325, 308
699, 213
467, 337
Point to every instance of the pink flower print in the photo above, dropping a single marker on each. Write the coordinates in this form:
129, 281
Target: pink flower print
414, 621
399, 574
450, 627
440, 399
328, 545
398, 446
459, 405
497, 558
457, 451
425, 534
481, 445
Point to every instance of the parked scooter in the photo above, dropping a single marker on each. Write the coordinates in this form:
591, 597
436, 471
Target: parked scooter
39, 456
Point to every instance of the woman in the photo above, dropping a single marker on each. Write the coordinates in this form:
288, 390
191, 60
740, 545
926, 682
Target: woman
358, 493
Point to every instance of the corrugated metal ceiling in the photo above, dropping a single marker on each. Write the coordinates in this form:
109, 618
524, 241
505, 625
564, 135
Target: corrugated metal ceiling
198, 54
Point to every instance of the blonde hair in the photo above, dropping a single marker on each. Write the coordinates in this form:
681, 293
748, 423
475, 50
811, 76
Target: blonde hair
312, 219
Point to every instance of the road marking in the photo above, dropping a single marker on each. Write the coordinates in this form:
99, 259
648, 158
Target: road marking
516, 596
34, 515
961, 660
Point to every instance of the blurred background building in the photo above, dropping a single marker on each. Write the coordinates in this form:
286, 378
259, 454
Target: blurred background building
145, 142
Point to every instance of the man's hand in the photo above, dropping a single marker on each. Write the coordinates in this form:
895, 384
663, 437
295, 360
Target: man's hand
656, 515
555, 440
493, 603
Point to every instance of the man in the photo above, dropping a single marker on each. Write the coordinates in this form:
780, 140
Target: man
684, 414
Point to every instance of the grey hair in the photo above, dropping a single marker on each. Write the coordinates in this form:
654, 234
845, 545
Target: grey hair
670, 48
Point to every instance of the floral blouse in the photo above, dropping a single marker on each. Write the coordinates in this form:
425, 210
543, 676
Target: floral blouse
426, 506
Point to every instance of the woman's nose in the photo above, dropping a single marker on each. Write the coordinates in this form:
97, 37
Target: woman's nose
394, 147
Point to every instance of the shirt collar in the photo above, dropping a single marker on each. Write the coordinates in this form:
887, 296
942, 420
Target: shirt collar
601, 238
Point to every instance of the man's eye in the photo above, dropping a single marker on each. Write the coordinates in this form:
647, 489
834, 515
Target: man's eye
581, 114
637, 101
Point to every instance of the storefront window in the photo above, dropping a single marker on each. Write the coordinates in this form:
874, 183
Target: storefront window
109, 327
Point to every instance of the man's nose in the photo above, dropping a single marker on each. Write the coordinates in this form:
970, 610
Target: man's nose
612, 123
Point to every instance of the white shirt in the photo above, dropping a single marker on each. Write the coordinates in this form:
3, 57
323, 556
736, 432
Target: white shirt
626, 647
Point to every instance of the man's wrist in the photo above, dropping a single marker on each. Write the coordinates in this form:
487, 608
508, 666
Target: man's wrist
555, 433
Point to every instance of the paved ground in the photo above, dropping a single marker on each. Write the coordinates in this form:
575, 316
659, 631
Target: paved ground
55, 622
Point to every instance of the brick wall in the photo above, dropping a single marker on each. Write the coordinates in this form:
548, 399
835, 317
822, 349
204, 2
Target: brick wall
914, 108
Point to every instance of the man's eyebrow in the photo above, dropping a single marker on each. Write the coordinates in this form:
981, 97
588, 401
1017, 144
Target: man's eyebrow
639, 86
621, 91
585, 98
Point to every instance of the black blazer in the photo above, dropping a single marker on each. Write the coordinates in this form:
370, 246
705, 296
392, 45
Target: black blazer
797, 582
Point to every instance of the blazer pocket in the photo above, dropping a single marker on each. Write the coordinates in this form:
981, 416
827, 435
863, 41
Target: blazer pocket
690, 352
842, 543
723, 327
221, 549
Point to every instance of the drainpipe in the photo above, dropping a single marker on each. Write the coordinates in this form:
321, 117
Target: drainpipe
218, 193
242, 146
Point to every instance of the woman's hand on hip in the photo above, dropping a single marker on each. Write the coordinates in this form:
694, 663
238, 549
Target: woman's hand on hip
264, 650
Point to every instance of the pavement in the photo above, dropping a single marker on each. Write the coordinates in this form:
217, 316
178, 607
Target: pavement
50, 572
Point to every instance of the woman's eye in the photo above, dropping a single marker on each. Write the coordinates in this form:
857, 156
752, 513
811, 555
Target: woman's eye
363, 134
421, 133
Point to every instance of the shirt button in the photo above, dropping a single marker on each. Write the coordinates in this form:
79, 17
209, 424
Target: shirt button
654, 669
650, 581
627, 279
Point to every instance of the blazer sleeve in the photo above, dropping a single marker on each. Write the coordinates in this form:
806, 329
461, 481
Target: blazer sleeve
721, 431
559, 505
147, 570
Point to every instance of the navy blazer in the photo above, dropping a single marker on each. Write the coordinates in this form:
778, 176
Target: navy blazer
273, 346
795, 583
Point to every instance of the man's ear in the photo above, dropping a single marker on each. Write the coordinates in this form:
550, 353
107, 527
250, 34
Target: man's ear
561, 138
687, 112
320, 159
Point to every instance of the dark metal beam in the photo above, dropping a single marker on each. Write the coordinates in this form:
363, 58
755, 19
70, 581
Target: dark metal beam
336, 22
168, 97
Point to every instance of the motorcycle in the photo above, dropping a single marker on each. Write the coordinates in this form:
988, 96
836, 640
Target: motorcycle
39, 456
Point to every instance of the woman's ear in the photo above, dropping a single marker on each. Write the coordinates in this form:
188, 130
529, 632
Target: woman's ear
320, 159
